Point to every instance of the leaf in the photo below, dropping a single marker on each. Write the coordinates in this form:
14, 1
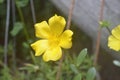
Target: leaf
73, 68
78, 77
6, 73
91, 74
22, 3
18, 26
81, 57
104, 24
116, 63
29, 67
25, 45
1, 1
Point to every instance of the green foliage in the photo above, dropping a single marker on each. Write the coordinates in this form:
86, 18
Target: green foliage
29, 67
91, 74
82, 67
1, 1
73, 68
40, 70
5, 74
104, 24
81, 57
78, 77
18, 26
21, 3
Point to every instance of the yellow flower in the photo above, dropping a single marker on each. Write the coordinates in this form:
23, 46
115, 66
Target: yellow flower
53, 38
114, 39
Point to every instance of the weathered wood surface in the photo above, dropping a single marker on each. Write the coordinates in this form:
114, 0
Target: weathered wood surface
86, 16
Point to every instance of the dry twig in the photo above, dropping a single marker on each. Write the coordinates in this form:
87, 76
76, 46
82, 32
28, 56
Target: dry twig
68, 27
99, 33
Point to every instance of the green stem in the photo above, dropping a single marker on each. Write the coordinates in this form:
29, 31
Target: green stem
108, 30
22, 19
33, 58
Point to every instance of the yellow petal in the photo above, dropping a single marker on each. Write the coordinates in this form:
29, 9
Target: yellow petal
65, 39
114, 43
53, 54
42, 30
116, 32
57, 24
40, 46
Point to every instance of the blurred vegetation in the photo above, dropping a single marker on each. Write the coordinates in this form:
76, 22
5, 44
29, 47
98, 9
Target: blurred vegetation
23, 65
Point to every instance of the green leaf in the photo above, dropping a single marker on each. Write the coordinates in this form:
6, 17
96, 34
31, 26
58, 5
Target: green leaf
104, 24
73, 68
1, 1
81, 57
78, 77
29, 67
18, 26
116, 63
6, 74
22, 3
26, 45
91, 74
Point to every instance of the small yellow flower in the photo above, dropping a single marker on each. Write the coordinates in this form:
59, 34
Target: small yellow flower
114, 39
52, 38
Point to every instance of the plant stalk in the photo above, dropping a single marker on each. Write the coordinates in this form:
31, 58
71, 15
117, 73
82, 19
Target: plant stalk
99, 32
59, 72
6, 32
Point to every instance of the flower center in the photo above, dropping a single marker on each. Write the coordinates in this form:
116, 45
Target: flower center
54, 41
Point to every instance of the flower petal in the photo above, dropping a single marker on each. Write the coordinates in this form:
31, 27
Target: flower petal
114, 43
40, 46
116, 32
53, 54
65, 39
57, 24
42, 30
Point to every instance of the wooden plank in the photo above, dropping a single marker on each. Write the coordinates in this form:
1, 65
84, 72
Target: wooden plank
86, 16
